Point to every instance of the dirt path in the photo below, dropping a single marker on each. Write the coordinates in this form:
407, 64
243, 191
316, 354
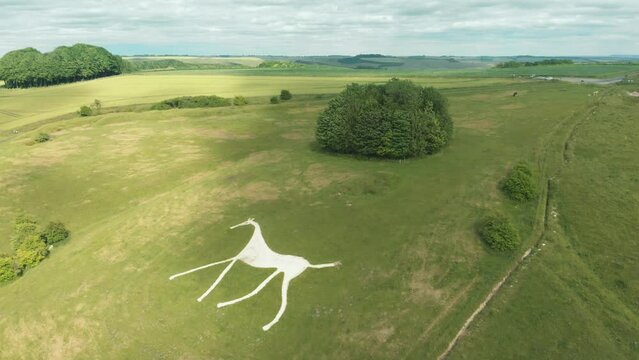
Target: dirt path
481, 306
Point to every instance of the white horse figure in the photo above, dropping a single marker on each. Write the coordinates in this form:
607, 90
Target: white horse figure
257, 254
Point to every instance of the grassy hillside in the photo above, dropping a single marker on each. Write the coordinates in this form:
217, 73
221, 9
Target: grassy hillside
578, 297
574, 70
149, 194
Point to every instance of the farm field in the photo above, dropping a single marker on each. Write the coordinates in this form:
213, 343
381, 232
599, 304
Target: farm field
570, 70
206, 60
148, 194
19, 107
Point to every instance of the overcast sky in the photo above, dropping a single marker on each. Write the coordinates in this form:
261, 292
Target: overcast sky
322, 27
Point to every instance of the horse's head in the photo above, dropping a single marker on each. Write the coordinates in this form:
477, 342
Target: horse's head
250, 221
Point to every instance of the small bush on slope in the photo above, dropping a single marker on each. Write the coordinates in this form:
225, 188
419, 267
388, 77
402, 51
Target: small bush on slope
8, 269
286, 95
42, 137
498, 233
519, 185
31, 252
54, 232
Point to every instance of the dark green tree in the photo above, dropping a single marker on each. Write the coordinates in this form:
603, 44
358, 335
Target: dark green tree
54, 232
498, 233
394, 120
29, 68
285, 95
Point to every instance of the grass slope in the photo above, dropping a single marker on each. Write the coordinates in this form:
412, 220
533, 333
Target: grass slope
577, 298
152, 193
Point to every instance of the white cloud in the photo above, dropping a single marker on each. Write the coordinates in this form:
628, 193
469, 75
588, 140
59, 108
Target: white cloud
326, 27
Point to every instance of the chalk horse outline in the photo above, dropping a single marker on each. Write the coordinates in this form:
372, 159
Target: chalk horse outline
257, 254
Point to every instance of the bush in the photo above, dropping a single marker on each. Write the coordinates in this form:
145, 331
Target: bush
275, 100
31, 251
54, 232
498, 233
239, 101
286, 95
96, 107
8, 268
395, 120
189, 102
85, 111
42, 137
519, 184
23, 227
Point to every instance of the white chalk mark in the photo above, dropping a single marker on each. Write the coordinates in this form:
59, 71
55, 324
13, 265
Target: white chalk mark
252, 293
200, 268
257, 254
282, 306
217, 281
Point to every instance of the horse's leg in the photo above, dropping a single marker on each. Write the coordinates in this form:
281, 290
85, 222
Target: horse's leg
252, 293
217, 281
285, 282
200, 268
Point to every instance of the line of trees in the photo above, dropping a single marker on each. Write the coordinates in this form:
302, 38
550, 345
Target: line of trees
30, 68
516, 64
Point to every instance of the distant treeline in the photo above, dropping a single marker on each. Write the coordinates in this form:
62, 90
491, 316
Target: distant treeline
516, 64
29, 68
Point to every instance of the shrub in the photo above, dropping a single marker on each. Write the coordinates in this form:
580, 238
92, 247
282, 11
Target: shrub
54, 232
239, 101
395, 120
42, 137
31, 251
96, 106
498, 233
188, 102
275, 100
519, 184
23, 227
85, 111
286, 95
8, 269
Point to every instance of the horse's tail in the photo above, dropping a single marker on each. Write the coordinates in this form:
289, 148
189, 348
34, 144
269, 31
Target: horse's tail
321, 266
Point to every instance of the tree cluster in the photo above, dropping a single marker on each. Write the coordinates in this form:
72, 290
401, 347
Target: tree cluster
30, 68
30, 245
397, 119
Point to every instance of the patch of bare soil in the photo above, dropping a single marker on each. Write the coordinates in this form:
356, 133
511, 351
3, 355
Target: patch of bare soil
482, 125
295, 135
319, 176
260, 191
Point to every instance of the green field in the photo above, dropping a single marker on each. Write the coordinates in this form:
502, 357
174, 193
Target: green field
571, 70
20, 107
205, 60
148, 194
